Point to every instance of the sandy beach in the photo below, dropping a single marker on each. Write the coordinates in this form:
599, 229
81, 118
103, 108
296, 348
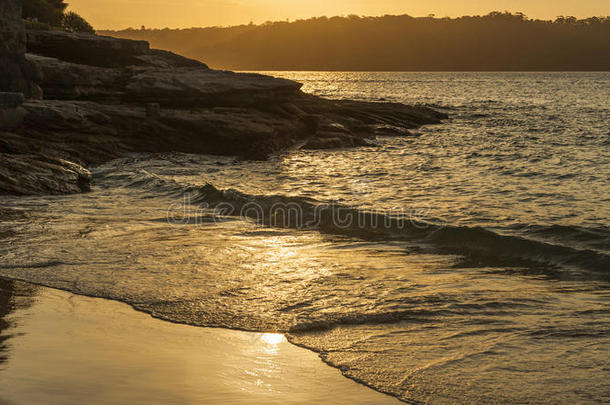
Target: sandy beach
60, 348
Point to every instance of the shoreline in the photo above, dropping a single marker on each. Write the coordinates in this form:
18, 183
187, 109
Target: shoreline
58, 347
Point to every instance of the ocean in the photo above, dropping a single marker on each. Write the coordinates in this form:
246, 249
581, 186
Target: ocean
466, 262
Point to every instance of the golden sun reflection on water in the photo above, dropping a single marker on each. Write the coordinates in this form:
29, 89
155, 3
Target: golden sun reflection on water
273, 339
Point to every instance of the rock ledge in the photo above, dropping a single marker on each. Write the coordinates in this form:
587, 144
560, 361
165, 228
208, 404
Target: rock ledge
105, 97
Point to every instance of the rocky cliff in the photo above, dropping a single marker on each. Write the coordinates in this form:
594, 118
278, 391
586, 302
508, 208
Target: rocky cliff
14, 70
12, 46
105, 97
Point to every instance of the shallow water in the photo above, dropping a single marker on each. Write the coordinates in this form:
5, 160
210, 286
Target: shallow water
486, 278
63, 349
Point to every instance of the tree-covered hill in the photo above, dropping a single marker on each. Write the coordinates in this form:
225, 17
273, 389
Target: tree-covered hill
497, 41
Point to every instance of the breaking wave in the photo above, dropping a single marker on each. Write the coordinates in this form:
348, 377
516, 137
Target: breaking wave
537, 248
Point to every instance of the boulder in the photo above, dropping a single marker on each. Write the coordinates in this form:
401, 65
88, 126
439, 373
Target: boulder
38, 174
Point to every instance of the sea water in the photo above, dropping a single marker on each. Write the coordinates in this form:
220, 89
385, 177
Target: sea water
468, 262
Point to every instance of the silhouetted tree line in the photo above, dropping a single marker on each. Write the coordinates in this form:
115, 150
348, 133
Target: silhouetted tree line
497, 41
49, 14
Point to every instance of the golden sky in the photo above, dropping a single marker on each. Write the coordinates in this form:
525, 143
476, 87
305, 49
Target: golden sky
116, 14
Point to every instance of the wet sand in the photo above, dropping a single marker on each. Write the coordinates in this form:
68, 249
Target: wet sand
60, 348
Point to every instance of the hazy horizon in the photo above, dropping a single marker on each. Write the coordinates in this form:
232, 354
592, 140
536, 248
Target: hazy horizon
193, 13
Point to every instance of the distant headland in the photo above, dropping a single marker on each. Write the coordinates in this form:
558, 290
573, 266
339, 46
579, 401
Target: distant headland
494, 42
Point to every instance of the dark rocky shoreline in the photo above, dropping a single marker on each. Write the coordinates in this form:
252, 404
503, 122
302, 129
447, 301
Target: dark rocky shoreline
104, 97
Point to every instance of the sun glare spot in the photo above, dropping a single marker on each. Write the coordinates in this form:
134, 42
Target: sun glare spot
273, 338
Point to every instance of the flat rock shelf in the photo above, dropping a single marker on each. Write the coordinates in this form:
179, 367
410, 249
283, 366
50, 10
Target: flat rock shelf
105, 97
